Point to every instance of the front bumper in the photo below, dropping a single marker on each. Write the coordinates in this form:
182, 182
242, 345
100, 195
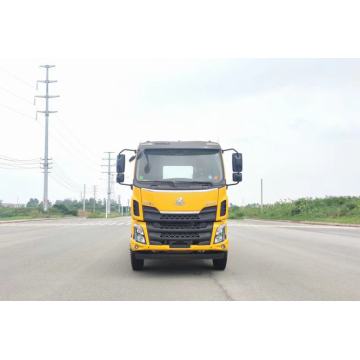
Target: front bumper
140, 247
179, 255
135, 246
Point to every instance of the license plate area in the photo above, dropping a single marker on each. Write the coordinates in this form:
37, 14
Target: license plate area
180, 244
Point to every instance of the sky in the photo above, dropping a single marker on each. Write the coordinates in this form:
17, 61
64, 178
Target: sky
296, 121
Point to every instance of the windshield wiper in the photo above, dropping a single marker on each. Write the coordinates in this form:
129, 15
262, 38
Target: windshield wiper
160, 182
208, 183
173, 183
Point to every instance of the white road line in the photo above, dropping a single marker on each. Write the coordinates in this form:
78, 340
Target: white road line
128, 223
302, 226
90, 223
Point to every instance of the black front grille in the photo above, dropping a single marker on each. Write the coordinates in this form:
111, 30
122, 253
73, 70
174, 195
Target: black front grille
179, 230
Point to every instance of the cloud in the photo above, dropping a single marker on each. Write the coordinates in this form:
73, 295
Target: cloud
296, 121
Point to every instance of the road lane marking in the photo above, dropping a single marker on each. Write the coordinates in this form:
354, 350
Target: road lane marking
302, 226
122, 223
28, 225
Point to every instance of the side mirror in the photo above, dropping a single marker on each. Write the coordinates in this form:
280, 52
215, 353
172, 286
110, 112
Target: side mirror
120, 178
237, 163
237, 177
120, 163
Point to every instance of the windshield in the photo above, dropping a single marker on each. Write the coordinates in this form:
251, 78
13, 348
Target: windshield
174, 167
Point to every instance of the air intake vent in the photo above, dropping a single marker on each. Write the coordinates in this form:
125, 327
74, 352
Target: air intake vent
223, 208
136, 210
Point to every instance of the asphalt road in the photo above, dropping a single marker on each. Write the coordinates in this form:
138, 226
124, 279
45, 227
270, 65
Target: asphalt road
78, 259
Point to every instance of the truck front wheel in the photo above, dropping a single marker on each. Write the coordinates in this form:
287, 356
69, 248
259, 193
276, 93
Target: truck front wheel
220, 264
136, 264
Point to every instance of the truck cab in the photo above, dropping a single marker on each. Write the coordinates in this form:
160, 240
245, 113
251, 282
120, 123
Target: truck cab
179, 204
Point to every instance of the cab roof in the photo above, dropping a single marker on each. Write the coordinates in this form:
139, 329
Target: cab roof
179, 145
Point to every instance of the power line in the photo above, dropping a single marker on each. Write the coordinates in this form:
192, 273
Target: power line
66, 181
60, 177
84, 199
61, 183
15, 95
25, 82
109, 173
70, 134
17, 112
94, 202
67, 146
18, 164
9, 167
46, 112
261, 193
62, 173
16, 159
61, 140
19, 161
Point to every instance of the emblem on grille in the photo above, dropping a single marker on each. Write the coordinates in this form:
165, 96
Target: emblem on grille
180, 201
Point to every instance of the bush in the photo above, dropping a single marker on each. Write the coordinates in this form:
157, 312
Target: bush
19, 213
33, 212
337, 208
63, 209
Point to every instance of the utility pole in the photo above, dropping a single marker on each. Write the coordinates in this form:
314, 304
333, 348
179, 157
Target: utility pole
109, 173
84, 198
46, 164
94, 204
261, 193
119, 203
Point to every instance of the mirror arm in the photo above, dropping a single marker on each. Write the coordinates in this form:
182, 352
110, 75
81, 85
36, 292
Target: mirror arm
230, 149
131, 185
232, 184
123, 150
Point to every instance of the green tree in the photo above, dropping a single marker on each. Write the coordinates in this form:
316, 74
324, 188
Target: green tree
33, 203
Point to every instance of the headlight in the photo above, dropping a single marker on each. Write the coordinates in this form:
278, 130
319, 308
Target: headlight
220, 234
139, 234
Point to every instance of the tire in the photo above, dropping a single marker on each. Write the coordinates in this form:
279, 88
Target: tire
136, 264
220, 264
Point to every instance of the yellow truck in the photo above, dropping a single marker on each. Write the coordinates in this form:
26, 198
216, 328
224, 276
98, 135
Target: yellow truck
179, 204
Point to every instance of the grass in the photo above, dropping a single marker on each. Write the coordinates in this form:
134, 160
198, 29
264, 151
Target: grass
55, 211
342, 209
29, 213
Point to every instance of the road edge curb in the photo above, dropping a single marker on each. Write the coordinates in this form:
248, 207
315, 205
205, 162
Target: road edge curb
308, 222
24, 220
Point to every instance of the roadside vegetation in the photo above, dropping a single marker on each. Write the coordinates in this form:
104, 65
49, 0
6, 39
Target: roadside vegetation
61, 208
341, 209
29, 213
